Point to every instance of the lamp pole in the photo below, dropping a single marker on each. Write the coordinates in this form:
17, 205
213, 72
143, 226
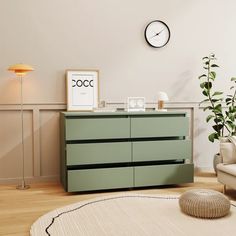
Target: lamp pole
23, 185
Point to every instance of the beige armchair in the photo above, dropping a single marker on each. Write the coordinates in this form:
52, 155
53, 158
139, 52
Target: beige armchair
226, 174
226, 171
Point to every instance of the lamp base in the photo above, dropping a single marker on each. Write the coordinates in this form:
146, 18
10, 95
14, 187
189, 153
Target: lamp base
23, 186
20, 187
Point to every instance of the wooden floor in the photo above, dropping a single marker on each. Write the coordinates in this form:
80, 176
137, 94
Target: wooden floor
20, 208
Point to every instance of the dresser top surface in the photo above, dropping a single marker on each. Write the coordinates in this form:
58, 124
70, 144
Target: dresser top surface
124, 113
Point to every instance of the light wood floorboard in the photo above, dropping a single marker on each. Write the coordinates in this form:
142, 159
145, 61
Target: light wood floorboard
20, 208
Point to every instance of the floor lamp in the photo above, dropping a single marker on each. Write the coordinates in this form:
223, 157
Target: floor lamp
21, 70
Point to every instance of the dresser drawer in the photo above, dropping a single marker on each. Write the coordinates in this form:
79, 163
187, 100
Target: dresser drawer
95, 153
97, 128
159, 126
162, 150
163, 174
96, 179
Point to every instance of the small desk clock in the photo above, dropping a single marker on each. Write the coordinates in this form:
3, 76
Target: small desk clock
136, 104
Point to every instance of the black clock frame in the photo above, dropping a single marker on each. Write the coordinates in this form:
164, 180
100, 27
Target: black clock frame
145, 35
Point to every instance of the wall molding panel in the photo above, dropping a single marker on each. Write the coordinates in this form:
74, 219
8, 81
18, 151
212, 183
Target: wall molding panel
43, 141
34, 172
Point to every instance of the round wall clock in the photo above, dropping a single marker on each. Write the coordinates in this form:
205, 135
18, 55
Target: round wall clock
157, 34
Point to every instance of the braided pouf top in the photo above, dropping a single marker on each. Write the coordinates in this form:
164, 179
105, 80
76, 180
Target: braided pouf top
204, 203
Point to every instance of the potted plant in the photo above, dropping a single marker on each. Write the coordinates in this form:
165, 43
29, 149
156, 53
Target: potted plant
222, 118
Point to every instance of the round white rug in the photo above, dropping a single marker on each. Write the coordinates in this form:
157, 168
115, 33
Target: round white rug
130, 215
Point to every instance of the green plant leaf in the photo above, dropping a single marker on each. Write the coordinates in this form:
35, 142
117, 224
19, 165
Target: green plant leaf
233, 79
201, 76
205, 100
208, 85
214, 65
217, 127
212, 74
217, 93
218, 107
204, 58
231, 117
219, 119
205, 92
231, 124
231, 87
209, 118
216, 100
207, 108
202, 85
220, 115
232, 109
211, 137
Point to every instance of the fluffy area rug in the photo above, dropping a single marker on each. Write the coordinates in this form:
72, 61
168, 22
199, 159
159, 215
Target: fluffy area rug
130, 215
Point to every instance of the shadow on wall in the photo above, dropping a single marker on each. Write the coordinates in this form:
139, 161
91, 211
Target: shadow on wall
49, 142
11, 159
182, 86
204, 150
198, 132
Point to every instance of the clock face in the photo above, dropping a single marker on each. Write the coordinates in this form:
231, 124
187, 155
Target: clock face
157, 34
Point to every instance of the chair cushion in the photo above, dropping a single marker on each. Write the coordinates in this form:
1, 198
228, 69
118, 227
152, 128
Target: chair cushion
228, 150
227, 168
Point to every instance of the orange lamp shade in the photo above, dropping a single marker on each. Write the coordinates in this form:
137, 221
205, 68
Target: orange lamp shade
20, 69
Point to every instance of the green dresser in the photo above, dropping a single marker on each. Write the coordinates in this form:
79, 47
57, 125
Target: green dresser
124, 150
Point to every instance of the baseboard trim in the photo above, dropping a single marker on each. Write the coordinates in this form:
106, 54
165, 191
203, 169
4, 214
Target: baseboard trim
29, 180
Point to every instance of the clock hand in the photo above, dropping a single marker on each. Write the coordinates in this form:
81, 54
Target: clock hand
156, 34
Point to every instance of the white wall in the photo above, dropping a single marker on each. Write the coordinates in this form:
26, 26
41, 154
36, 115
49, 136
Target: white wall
108, 35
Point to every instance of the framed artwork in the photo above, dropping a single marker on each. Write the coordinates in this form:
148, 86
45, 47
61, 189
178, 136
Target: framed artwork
82, 89
136, 104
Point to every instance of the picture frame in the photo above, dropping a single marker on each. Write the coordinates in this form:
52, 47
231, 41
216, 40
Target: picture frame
136, 104
82, 88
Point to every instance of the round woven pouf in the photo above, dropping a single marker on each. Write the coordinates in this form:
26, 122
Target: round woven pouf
204, 203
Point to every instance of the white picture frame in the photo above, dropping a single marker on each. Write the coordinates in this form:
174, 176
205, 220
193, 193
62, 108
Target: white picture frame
82, 90
136, 104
